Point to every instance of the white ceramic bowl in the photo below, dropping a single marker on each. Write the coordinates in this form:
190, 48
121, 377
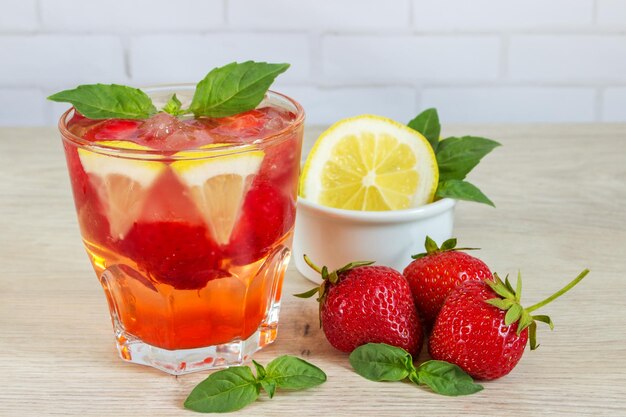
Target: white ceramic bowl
335, 237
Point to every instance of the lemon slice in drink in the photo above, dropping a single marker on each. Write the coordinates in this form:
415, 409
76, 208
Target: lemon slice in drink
370, 163
218, 181
122, 183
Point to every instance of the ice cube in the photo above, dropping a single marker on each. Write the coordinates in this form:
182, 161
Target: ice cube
166, 132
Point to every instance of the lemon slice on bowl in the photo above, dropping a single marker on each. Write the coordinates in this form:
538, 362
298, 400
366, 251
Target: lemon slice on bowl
218, 182
122, 183
370, 163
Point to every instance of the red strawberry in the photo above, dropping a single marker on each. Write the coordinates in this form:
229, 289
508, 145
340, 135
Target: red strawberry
266, 216
434, 274
91, 218
177, 254
113, 129
483, 328
362, 304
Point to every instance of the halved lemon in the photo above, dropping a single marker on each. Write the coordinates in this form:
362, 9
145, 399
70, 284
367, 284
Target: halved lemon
218, 181
370, 163
122, 183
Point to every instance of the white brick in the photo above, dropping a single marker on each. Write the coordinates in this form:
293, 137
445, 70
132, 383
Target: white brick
483, 15
326, 106
612, 13
511, 104
159, 59
22, 107
567, 58
319, 15
614, 105
410, 58
18, 15
134, 15
60, 60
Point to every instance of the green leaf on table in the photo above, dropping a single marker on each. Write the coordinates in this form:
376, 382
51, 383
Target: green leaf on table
462, 190
427, 123
223, 391
260, 370
173, 106
446, 379
234, 88
457, 156
108, 101
381, 362
290, 372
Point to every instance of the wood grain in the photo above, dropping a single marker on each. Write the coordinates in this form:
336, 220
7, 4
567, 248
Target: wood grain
561, 198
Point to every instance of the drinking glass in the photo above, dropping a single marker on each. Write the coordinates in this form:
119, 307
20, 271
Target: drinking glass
189, 236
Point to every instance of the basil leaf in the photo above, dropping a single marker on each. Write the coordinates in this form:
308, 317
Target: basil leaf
107, 101
223, 391
290, 372
446, 379
462, 190
260, 370
456, 157
381, 362
234, 88
173, 106
269, 386
427, 123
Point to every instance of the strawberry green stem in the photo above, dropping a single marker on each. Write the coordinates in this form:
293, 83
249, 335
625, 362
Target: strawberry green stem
310, 263
558, 293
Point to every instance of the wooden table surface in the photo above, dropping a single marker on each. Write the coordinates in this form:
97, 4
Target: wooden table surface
561, 197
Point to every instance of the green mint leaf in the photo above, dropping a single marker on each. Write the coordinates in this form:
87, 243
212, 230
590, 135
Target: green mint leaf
107, 101
260, 370
173, 106
446, 379
381, 362
414, 378
269, 386
223, 391
462, 190
290, 372
427, 123
456, 157
234, 88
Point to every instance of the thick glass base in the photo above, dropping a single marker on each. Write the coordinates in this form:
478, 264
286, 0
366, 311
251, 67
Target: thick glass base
184, 361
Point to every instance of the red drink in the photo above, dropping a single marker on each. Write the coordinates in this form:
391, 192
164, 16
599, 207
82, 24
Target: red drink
188, 224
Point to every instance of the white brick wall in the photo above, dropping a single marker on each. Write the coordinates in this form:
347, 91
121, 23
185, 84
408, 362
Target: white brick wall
504, 15
122, 16
478, 60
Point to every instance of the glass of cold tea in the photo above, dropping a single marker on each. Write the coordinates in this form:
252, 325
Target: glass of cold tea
188, 224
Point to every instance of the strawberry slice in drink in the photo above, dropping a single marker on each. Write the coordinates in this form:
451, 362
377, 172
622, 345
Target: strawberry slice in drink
179, 254
113, 129
267, 215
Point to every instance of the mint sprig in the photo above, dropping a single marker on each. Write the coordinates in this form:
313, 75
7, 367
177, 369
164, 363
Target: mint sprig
456, 157
462, 190
173, 106
234, 88
382, 362
234, 388
427, 123
225, 91
108, 101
